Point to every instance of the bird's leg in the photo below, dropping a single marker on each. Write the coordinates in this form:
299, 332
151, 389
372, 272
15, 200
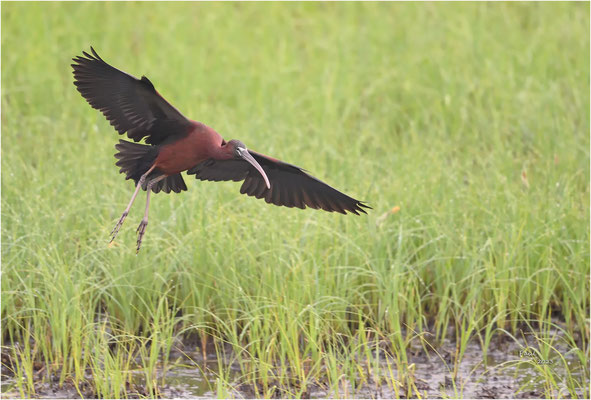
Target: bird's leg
137, 189
142, 227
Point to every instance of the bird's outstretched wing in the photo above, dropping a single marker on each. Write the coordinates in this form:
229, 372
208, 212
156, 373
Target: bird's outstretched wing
131, 105
290, 185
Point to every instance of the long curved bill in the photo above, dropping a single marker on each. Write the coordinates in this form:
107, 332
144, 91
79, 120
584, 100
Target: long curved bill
246, 155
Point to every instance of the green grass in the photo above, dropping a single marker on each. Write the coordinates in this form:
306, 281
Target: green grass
472, 118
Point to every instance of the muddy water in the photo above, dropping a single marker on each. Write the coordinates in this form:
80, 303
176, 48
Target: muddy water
508, 371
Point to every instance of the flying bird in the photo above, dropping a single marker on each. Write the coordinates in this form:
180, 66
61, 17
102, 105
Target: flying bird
176, 144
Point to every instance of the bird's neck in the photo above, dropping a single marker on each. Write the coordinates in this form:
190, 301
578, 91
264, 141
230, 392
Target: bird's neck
210, 142
223, 152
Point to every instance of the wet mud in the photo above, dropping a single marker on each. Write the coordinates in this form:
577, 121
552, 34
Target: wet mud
510, 369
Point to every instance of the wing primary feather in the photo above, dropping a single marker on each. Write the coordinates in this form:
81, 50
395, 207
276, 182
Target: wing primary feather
130, 105
290, 185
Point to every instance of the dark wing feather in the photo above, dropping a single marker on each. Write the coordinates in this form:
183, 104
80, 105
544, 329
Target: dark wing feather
290, 185
131, 105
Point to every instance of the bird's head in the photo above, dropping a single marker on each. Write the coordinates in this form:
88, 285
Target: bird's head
240, 152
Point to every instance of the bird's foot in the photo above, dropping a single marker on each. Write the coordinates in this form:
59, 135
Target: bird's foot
115, 230
140, 233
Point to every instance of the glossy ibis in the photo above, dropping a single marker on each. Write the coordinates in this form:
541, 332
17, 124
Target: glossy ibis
175, 144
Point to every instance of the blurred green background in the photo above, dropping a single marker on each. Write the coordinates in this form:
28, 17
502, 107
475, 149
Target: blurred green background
472, 118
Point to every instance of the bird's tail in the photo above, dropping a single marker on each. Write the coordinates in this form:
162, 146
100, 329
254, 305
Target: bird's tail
136, 159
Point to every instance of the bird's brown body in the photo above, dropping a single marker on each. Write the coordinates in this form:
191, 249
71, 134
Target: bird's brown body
175, 144
207, 143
